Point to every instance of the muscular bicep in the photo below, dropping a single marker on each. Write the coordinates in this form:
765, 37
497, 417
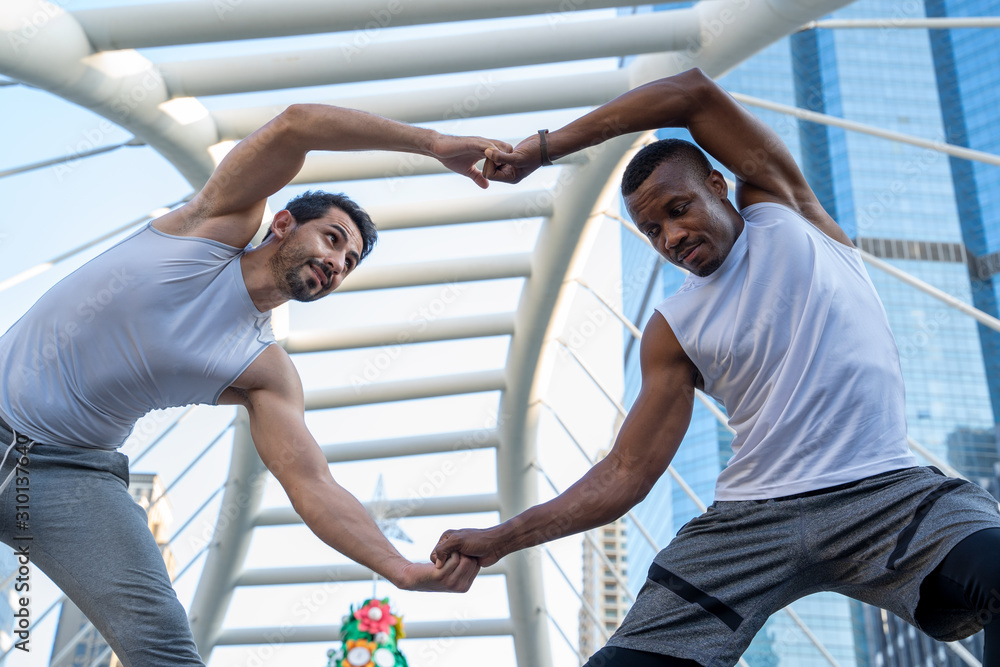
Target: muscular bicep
271, 391
764, 168
659, 418
230, 206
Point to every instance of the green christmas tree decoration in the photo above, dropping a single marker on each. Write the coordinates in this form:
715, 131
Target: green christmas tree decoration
369, 637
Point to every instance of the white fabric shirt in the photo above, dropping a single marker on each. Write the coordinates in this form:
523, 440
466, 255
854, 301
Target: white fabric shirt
791, 337
156, 321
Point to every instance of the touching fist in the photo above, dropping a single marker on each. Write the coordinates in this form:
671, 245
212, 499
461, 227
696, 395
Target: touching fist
471, 542
513, 166
453, 574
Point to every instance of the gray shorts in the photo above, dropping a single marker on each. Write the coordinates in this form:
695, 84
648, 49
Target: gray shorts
713, 587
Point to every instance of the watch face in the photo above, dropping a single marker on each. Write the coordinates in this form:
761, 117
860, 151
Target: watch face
359, 656
384, 658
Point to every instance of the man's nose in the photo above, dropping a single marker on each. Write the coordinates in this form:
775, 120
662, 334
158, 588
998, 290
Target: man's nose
673, 236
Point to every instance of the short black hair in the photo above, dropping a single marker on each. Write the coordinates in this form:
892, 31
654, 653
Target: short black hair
652, 156
314, 204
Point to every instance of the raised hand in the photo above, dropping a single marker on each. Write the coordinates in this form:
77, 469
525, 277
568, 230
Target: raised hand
475, 543
460, 154
454, 574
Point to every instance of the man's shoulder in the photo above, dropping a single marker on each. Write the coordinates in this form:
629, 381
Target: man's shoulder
165, 236
271, 370
769, 212
774, 214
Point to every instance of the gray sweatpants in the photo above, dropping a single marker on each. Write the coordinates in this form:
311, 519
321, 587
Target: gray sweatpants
89, 536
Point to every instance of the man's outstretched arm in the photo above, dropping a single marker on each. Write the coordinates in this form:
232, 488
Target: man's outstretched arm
762, 164
276, 407
646, 444
229, 207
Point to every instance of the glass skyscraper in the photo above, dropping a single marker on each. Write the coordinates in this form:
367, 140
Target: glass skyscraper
934, 217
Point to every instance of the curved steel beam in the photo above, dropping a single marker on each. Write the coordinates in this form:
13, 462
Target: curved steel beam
405, 333
199, 21
44, 46
384, 59
231, 540
488, 96
731, 31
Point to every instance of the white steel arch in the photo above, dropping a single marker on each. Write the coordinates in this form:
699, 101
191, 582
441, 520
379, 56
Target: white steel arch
89, 58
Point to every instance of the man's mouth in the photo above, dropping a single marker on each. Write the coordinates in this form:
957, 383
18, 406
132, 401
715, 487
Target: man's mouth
323, 279
682, 258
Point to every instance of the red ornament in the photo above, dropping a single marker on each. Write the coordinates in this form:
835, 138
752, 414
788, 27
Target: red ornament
375, 617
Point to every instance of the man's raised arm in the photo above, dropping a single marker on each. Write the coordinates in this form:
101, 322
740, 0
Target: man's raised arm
646, 444
762, 164
229, 208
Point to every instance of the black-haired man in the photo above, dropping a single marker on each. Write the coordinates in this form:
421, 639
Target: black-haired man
779, 320
179, 313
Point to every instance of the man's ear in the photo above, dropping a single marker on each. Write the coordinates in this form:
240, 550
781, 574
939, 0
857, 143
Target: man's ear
716, 182
282, 224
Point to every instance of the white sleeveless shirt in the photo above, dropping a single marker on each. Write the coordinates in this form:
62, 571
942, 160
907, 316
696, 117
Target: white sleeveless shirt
156, 321
790, 335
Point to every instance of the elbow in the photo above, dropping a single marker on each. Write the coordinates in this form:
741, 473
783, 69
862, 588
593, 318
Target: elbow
694, 75
683, 96
292, 122
633, 485
304, 503
641, 490
696, 84
295, 112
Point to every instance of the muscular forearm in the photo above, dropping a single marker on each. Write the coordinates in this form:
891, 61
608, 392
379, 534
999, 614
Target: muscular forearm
324, 127
670, 102
604, 494
337, 518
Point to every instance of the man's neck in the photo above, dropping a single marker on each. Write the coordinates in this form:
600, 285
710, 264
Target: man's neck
259, 280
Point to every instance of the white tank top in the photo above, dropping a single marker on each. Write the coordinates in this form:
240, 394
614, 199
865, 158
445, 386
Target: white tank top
156, 321
790, 335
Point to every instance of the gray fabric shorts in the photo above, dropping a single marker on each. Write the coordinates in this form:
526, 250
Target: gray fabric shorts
713, 587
